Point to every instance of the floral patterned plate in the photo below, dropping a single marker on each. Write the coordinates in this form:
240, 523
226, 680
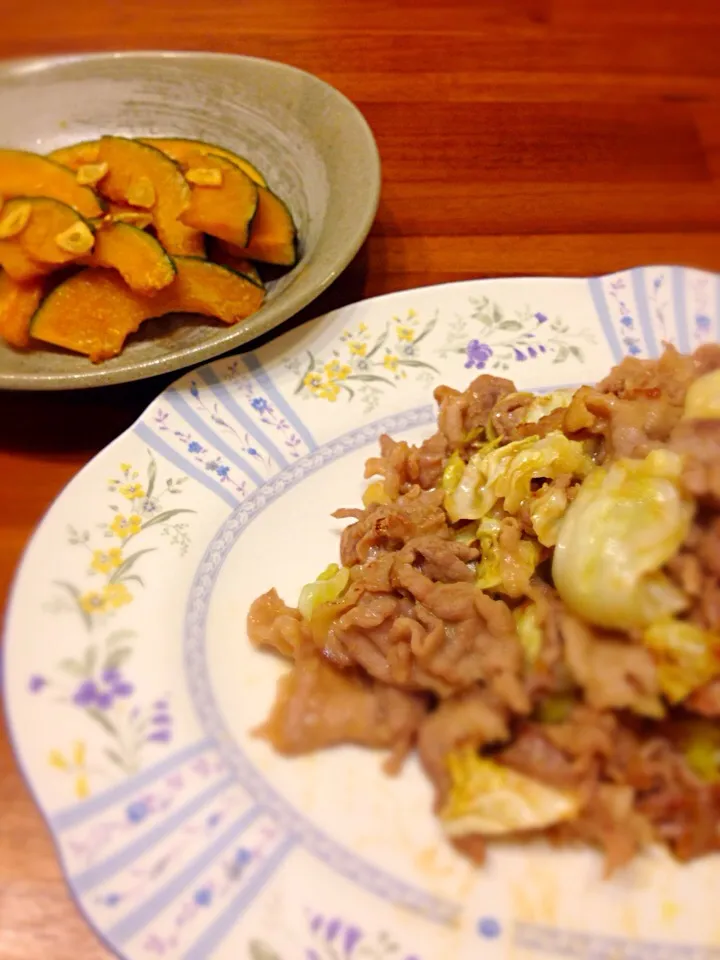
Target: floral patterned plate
131, 688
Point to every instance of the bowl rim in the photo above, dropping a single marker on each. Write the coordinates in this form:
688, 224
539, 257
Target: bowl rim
294, 298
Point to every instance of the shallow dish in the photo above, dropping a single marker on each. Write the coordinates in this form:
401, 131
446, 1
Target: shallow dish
131, 688
314, 146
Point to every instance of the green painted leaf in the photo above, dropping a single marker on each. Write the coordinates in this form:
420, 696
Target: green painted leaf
99, 717
117, 657
418, 363
128, 563
75, 594
310, 368
510, 325
428, 329
379, 343
72, 667
118, 636
257, 950
134, 578
164, 517
114, 758
152, 476
345, 387
370, 377
90, 661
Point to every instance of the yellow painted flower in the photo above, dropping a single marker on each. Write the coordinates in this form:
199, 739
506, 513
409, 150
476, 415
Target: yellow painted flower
57, 760
116, 595
312, 380
126, 467
357, 349
362, 328
328, 391
336, 370
405, 333
132, 491
411, 314
104, 561
74, 764
93, 602
390, 362
126, 526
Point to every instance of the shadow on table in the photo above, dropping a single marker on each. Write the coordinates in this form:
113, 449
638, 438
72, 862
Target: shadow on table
77, 421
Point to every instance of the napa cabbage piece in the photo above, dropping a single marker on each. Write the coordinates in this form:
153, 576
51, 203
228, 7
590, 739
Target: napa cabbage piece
490, 572
625, 522
506, 473
492, 800
702, 401
547, 508
529, 630
544, 404
328, 586
701, 748
688, 657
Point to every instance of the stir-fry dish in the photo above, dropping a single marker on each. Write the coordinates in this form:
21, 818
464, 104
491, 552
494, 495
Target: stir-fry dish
531, 599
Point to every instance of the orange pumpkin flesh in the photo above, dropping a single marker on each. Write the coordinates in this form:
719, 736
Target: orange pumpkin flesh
272, 235
18, 303
137, 256
225, 210
93, 312
30, 175
180, 150
41, 237
77, 154
136, 169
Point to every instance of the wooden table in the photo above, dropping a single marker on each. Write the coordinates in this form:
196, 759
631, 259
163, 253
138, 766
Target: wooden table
517, 137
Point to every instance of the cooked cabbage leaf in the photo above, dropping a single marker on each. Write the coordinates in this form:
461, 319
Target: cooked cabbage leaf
626, 521
702, 401
506, 473
490, 799
329, 585
687, 656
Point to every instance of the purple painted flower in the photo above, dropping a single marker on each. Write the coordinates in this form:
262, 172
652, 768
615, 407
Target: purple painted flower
160, 736
489, 928
353, 935
311, 954
203, 896
242, 857
112, 899
633, 348
137, 811
194, 447
478, 355
332, 930
703, 322
519, 355
532, 351
222, 470
104, 699
194, 390
86, 694
161, 719
657, 282
541, 348
541, 318
36, 683
316, 923
626, 320
260, 404
253, 452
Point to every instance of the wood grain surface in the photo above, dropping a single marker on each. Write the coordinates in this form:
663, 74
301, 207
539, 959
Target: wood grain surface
517, 137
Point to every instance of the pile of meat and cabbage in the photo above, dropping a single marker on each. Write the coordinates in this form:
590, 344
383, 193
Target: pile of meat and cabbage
531, 599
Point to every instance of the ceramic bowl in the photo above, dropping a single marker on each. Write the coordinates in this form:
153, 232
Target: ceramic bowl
314, 147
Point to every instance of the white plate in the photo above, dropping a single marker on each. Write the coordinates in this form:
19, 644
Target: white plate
131, 688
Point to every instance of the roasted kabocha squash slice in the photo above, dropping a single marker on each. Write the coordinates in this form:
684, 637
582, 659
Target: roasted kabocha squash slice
94, 311
180, 150
18, 303
221, 254
223, 199
136, 255
273, 238
24, 174
39, 234
146, 179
